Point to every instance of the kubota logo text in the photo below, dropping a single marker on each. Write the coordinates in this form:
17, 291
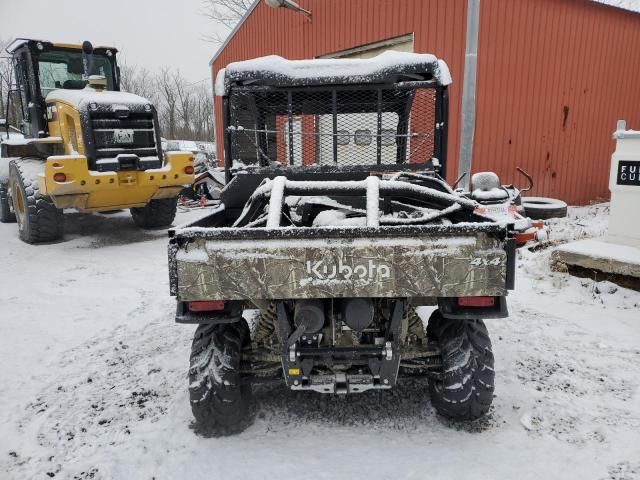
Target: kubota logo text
370, 270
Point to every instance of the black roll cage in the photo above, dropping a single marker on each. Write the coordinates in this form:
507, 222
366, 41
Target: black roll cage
334, 108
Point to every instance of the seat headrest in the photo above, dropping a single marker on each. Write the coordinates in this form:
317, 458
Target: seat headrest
485, 186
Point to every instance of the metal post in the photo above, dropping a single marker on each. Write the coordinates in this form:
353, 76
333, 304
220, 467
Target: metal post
334, 101
275, 202
290, 125
228, 138
468, 123
373, 201
379, 135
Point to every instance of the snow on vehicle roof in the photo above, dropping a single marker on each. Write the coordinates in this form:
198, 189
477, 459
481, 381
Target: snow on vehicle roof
18, 42
88, 94
275, 70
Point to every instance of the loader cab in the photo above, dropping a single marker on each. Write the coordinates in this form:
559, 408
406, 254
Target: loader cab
41, 67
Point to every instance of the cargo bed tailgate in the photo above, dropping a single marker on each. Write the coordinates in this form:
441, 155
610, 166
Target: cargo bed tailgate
405, 261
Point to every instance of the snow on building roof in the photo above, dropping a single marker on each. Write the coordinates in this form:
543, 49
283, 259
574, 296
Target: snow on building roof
275, 70
631, 5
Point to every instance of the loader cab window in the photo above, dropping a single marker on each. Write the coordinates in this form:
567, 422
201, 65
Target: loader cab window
19, 96
64, 69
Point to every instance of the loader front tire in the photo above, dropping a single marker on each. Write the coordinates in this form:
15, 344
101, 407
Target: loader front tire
156, 213
465, 389
6, 211
38, 218
220, 401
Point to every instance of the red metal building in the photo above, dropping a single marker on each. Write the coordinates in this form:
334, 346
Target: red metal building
552, 78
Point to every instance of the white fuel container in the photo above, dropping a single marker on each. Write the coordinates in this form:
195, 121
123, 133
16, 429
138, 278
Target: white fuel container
624, 184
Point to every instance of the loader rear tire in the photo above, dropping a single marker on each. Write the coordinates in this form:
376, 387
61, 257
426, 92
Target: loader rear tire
220, 401
465, 389
38, 218
6, 213
156, 214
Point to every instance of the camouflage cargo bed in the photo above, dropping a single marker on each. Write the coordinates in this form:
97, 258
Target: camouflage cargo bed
339, 262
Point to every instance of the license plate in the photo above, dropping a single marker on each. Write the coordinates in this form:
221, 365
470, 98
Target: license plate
123, 136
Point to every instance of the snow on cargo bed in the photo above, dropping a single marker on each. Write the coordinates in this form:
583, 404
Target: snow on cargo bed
275, 69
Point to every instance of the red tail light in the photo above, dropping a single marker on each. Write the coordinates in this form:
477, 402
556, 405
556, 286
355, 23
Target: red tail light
476, 301
206, 306
189, 170
59, 177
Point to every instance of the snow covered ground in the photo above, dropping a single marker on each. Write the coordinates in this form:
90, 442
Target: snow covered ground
93, 379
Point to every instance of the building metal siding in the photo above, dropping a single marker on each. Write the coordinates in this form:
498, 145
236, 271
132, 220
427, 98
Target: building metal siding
553, 75
553, 78
438, 27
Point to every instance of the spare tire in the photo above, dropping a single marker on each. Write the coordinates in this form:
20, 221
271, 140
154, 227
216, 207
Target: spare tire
542, 208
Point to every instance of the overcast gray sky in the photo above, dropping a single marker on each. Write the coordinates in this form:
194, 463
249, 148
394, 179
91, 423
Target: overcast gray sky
152, 33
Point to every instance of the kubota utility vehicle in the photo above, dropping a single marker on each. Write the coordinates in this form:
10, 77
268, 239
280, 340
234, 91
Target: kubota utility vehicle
86, 144
335, 222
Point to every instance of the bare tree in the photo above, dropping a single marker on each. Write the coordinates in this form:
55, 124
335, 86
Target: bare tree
184, 102
185, 110
226, 13
5, 76
167, 109
203, 115
139, 81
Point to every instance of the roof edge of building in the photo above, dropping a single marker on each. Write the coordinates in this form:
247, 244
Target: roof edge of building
617, 6
233, 32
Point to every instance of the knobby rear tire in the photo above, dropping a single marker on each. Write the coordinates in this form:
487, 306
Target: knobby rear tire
156, 214
220, 401
465, 389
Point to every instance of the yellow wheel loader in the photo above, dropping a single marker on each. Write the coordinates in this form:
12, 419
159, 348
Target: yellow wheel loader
82, 143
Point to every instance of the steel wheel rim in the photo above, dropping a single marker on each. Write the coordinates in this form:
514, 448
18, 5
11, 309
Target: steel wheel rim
18, 204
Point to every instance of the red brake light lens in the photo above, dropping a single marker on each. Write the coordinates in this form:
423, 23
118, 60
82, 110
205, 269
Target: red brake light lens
60, 177
206, 306
476, 301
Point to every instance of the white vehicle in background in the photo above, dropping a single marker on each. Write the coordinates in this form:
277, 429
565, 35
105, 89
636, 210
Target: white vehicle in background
204, 156
210, 179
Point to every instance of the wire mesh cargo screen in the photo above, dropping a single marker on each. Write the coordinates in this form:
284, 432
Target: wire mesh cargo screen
387, 122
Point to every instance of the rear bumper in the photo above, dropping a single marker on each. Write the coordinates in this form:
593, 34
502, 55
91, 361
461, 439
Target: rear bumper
88, 190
